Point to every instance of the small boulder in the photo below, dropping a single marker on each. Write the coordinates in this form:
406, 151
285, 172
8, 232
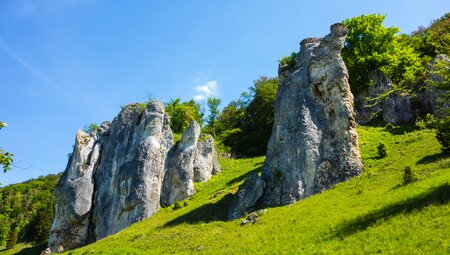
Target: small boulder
247, 196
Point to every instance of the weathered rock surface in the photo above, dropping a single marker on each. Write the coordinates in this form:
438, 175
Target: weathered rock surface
367, 108
247, 196
314, 143
115, 175
179, 176
206, 162
73, 195
397, 109
129, 177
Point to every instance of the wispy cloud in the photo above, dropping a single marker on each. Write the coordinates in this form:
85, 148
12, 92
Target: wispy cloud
207, 90
32, 8
5, 48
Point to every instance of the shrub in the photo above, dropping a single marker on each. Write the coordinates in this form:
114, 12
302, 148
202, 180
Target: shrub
427, 122
287, 62
177, 206
382, 150
408, 175
443, 133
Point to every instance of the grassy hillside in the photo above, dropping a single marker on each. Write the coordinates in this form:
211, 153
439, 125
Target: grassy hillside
372, 213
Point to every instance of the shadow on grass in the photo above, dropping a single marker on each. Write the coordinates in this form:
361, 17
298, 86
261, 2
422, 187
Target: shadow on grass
37, 249
210, 212
432, 158
400, 130
437, 196
245, 176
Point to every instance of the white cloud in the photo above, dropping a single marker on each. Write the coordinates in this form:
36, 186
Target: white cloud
207, 90
199, 97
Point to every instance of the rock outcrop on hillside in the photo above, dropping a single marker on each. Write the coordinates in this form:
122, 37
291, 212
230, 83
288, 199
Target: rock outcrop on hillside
381, 104
128, 178
314, 144
179, 175
115, 175
206, 162
73, 195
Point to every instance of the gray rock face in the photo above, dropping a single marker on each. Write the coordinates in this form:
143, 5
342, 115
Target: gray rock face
314, 143
366, 108
73, 196
115, 175
179, 176
129, 177
247, 196
429, 96
206, 162
397, 109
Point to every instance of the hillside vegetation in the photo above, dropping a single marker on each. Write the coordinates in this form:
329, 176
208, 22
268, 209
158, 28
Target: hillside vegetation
372, 213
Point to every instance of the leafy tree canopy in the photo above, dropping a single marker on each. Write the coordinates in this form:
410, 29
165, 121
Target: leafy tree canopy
370, 46
182, 113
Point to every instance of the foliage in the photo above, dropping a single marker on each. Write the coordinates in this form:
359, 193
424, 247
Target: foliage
287, 62
213, 106
26, 210
182, 113
382, 150
427, 122
370, 46
232, 116
369, 214
245, 125
5, 157
443, 133
434, 39
91, 128
408, 175
4, 229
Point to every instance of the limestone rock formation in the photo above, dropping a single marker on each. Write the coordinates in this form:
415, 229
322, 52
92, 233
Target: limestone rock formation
206, 162
179, 176
247, 196
115, 175
129, 177
314, 143
73, 195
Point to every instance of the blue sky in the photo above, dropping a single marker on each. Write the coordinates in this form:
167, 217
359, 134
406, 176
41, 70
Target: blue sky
65, 64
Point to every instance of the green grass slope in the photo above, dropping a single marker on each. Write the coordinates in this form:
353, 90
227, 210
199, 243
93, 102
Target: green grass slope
371, 213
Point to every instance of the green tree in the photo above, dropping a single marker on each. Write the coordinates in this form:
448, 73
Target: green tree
182, 113
5, 157
259, 117
213, 106
433, 40
4, 229
370, 46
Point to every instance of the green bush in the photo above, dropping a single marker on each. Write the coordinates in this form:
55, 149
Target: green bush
408, 175
427, 122
443, 133
382, 150
287, 62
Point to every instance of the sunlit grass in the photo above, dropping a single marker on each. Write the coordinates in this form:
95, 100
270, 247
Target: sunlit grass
371, 213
